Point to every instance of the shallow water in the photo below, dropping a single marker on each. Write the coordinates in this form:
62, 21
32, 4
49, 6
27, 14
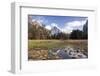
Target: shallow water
64, 54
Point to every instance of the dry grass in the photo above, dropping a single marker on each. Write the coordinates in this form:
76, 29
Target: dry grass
49, 44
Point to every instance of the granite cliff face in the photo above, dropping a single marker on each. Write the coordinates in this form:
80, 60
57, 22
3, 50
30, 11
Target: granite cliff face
55, 30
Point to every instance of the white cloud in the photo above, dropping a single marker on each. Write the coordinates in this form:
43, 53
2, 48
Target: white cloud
67, 29
69, 26
75, 23
39, 19
33, 20
48, 27
55, 25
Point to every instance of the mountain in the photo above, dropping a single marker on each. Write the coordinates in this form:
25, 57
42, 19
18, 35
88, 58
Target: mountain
55, 30
37, 30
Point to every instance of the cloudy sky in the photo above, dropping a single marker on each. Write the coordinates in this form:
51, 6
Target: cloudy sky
64, 23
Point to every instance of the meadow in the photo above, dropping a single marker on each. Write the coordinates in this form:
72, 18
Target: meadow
49, 44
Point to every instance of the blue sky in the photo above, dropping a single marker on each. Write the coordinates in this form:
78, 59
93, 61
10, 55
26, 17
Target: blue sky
64, 23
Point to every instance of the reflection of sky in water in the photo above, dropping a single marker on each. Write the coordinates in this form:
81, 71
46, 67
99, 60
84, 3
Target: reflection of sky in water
67, 54
63, 55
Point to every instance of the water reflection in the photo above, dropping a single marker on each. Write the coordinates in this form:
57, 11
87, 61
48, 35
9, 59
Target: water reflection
67, 53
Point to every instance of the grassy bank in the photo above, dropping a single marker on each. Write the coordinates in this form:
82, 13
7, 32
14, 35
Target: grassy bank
49, 44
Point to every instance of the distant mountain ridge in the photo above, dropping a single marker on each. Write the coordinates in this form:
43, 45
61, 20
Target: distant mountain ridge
55, 30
